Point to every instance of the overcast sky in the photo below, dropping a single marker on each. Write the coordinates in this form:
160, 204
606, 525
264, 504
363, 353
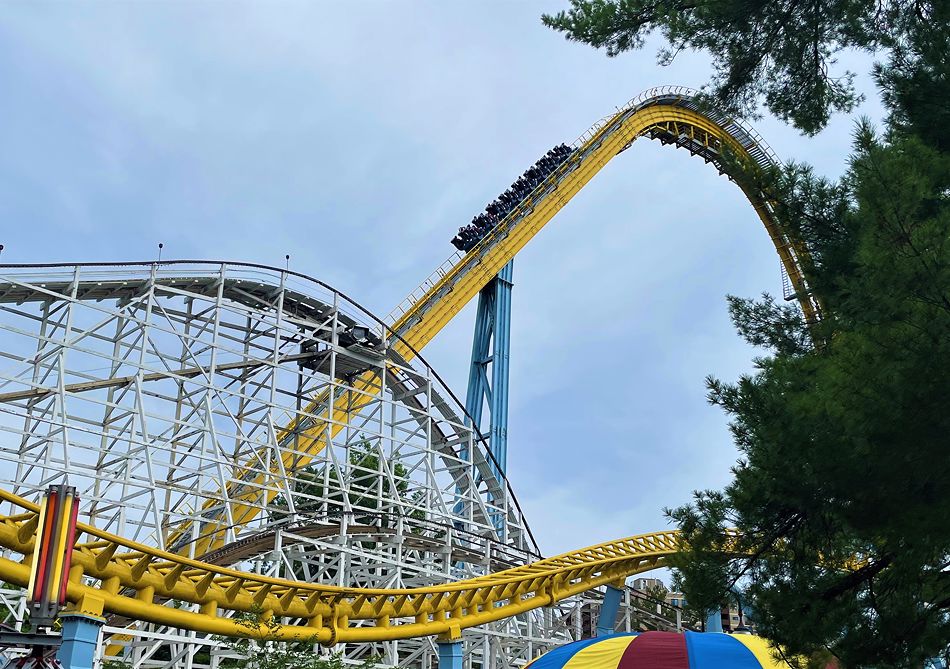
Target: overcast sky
357, 137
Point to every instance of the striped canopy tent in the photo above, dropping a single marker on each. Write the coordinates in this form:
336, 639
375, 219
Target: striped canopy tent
663, 650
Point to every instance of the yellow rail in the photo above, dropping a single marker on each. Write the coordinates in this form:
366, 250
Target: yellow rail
668, 115
132, 580
444, 300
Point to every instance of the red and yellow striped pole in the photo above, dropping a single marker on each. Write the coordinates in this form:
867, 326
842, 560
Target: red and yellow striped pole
52, 554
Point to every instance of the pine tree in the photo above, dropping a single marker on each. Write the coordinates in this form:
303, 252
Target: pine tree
843, 492
782, 51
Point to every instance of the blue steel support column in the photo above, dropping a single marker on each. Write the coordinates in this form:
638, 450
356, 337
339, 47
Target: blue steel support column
491, 344
714, 621
501, 351
450, 654
608, 611
80, 640
478, 371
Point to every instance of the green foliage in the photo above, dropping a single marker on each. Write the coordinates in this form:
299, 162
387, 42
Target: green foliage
115, 664
369, 482
843, 491
656, 592
784, 52
915, 82
260, 649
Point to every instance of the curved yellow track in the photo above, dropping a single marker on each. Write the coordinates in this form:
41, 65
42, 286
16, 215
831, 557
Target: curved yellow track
112, 574
133, 579
427, 316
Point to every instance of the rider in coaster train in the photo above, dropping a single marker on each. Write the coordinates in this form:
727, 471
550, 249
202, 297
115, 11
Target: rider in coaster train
468, 236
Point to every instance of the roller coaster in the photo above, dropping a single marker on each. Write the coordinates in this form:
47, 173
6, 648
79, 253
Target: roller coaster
249, 439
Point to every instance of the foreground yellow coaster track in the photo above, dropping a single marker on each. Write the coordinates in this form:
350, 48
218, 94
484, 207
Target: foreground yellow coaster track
133, 580
113, 575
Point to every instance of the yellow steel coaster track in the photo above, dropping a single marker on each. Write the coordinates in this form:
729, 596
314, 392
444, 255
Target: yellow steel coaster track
114, 575
670, 115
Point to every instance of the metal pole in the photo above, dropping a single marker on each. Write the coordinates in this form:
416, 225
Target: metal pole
501, 349
608, 611
492, 333
714, 621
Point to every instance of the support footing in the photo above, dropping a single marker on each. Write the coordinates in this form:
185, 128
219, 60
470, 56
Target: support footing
80, 640
450, 655
608, 611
